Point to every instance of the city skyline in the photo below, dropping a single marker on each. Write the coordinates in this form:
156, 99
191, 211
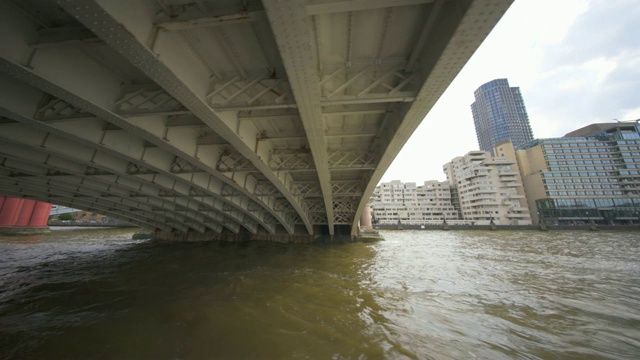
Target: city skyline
575, 65
591, 176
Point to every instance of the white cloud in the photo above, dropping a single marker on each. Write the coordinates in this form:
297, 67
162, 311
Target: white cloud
631, 114
575, 61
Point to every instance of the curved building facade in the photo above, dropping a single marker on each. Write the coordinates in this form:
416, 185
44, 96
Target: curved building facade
499, 114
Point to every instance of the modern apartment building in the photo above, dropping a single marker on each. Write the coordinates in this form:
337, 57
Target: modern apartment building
591, 175
406, 203
488, 188
499, 114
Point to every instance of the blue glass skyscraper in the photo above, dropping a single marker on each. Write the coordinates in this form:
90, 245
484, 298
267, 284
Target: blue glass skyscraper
499, 114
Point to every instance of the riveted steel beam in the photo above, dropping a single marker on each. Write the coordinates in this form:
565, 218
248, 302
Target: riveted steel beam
261, 115
184, 120
290, 160
41, 194
347, 188
52, 108
291, 28
20, 134
266, 189
293, 218
50, 143
260, 92
307, 188
150, 99
366, 109
319, 218
438, 62
211, 138
343, 218
345, 205
75, 36
352, 160
231, 161
319, 7
370, 84
97, 186
137, 109
77, 196
284, 206
186, 23
181, 73
137, 169
182, 166
78, 134
314, 205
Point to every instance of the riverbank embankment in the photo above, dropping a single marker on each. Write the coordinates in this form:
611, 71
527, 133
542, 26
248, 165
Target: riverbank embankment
581, 227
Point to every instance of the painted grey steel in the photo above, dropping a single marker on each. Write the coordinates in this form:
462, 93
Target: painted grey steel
273, 116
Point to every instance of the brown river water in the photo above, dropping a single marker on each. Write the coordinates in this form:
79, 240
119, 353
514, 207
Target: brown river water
97, 294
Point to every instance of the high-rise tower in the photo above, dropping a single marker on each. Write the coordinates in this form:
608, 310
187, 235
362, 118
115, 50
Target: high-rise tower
499, 114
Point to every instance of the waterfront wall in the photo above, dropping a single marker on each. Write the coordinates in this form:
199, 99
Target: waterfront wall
510, 227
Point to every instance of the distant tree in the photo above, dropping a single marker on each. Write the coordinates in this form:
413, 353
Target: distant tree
65, 216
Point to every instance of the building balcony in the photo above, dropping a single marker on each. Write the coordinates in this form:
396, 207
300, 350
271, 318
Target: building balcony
518, 215
498, 162
508, 173
474, 176
476, 199
480, 194
481, 201
484, 205
516, 196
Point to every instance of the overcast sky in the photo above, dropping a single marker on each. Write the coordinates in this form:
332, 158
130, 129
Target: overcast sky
576, 62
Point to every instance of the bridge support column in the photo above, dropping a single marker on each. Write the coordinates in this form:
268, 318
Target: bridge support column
23, 216
40, 215
365, 219
25, 213
10, 210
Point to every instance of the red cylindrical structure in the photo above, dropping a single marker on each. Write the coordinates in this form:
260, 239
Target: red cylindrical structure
25, 213
2, 197
10, 211
365, 219
18, 209
40, 215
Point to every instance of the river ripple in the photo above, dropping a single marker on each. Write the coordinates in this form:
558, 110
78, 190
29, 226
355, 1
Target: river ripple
417, 295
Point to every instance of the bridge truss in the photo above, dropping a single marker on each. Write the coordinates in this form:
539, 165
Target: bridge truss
272, 116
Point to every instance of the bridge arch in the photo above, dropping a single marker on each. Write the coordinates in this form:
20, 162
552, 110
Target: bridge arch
265, 117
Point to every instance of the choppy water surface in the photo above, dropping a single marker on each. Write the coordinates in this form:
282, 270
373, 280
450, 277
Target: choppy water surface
82, 294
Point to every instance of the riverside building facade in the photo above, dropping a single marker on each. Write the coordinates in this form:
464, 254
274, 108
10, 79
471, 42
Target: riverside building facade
396, 202
591, 175
488, 189
499, 114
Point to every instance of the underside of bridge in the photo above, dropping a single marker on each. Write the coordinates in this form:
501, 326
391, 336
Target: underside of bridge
266, 118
